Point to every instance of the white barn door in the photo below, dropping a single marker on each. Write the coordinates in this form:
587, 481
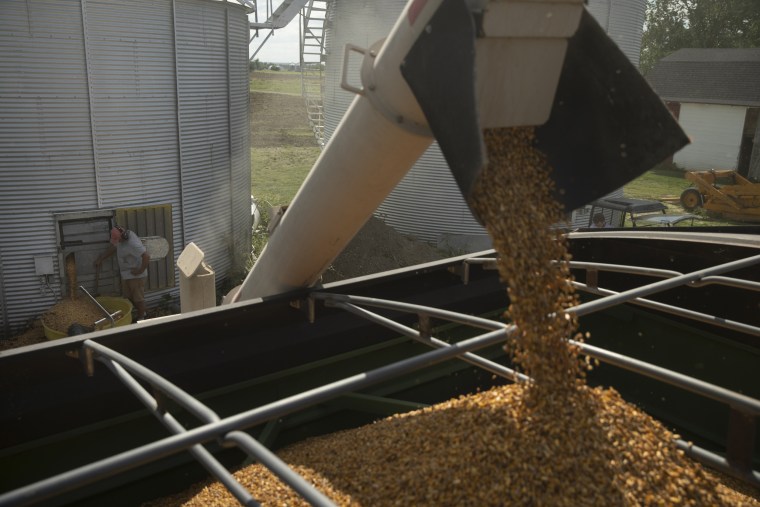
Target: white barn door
716, 135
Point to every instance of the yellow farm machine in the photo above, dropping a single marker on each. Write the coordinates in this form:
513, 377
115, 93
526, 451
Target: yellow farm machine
724, 193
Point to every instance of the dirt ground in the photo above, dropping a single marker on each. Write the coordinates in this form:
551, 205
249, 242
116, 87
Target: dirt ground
378, 247
35, 333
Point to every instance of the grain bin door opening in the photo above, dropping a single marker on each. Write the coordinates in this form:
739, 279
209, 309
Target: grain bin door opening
81, 238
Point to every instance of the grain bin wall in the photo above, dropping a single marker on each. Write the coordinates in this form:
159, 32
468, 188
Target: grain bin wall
623, 20
427, 203
113, 106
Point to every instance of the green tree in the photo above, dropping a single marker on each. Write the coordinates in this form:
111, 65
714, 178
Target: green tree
676, 24
258, 65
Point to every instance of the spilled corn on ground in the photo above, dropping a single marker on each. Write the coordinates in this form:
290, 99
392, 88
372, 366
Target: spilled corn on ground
553, 441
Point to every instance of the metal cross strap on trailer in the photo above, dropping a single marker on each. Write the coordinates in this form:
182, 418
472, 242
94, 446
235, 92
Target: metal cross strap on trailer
414, 322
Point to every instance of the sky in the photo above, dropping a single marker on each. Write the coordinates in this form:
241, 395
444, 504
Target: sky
281, 47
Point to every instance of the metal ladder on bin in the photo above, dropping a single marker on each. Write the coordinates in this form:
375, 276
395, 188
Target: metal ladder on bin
311, 49
314, 16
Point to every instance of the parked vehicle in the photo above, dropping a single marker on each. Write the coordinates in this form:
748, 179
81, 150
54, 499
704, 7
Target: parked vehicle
640, 212
723, 193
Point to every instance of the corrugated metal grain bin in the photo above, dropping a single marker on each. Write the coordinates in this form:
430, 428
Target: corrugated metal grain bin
132, 111
427, 203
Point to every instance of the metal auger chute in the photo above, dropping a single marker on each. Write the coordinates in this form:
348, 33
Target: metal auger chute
447, 70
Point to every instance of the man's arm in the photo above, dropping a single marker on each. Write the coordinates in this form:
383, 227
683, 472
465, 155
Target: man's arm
105, 255
143, 265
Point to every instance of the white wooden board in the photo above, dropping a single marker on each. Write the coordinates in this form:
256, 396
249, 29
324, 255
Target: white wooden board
156, 246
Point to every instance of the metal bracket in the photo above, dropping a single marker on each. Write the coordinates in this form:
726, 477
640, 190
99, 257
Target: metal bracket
306, 306
426, 326
592, 278
369, 89
85, 356
740, 439
344, 74
462, 271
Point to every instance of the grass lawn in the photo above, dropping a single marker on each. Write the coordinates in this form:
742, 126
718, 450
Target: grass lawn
279, 166
657, 184
276, 81
280, 172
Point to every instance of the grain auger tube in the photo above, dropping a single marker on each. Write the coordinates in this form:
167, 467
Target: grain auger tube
447, 70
